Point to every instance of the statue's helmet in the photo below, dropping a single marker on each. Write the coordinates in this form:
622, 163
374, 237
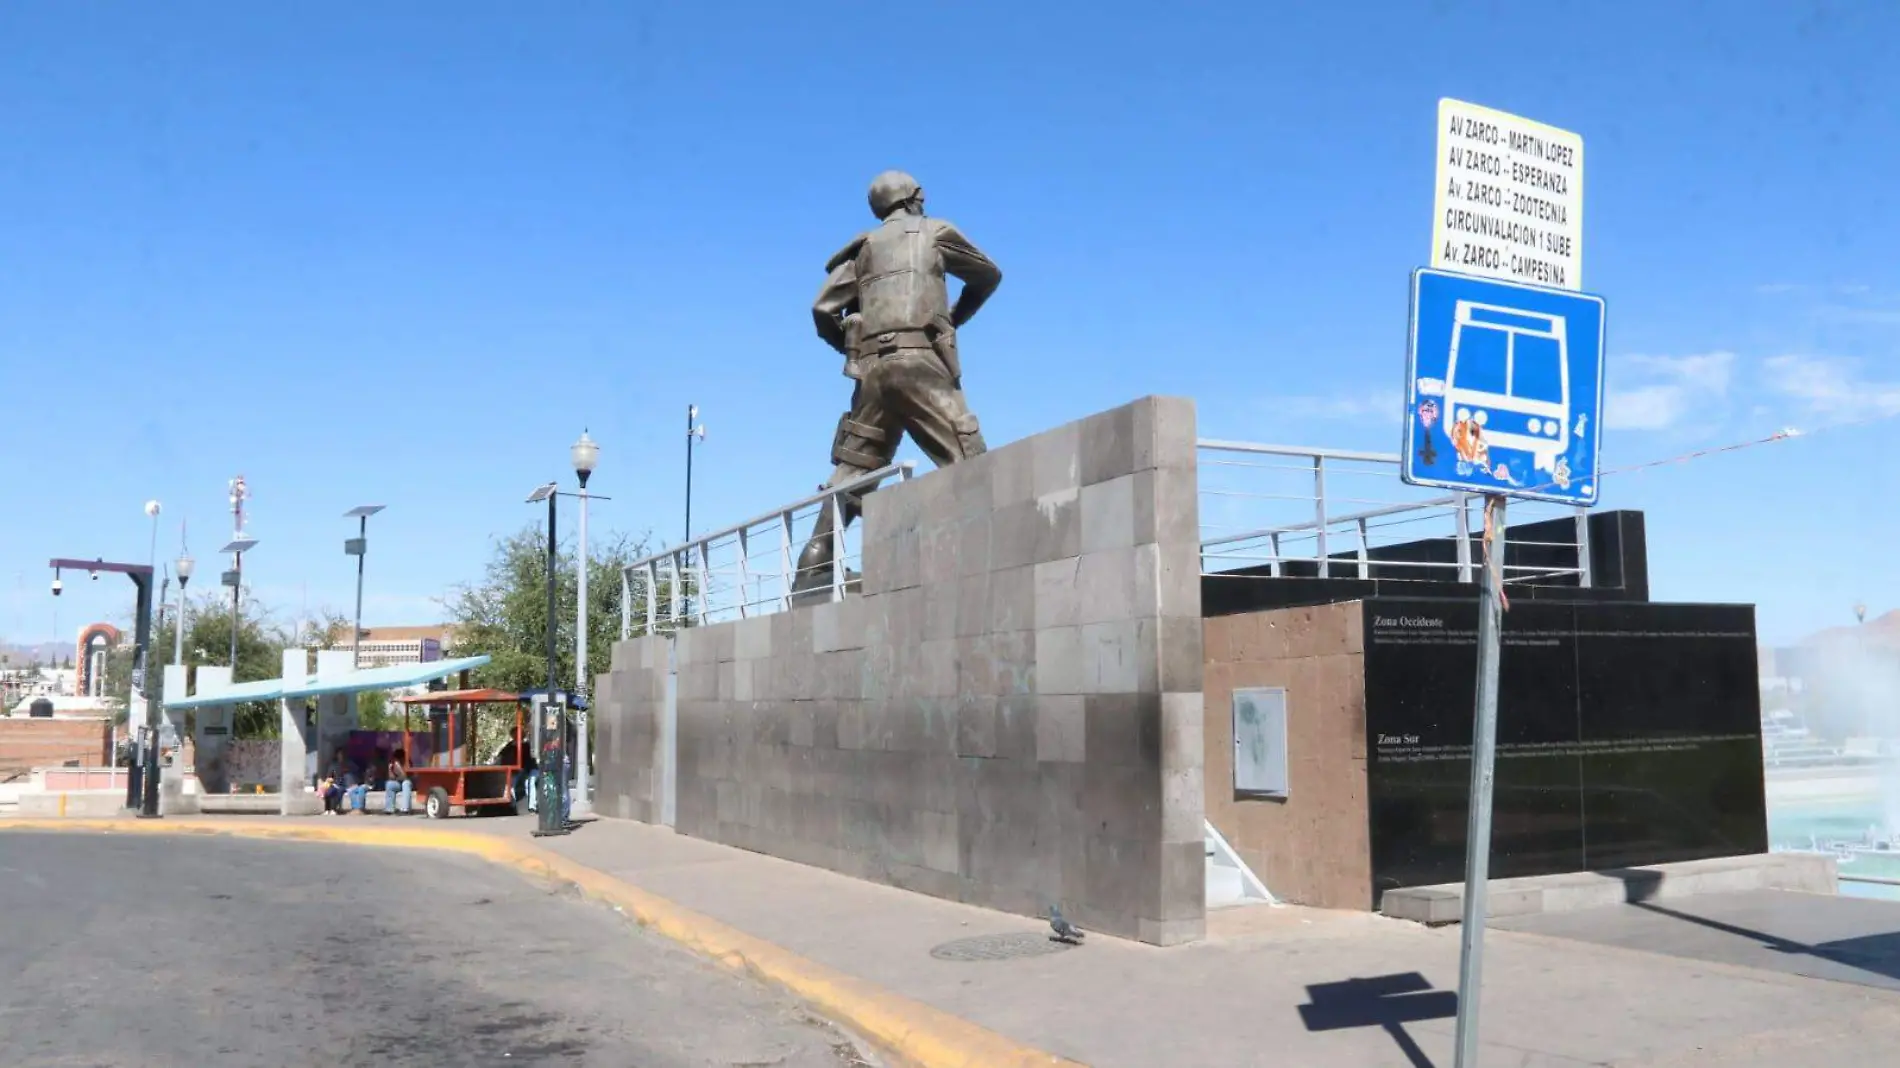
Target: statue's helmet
890, 189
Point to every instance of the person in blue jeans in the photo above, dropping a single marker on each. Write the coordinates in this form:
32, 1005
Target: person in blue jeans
338, 780
357, 797
398, 783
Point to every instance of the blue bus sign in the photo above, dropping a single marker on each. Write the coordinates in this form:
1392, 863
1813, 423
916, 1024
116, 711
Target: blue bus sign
1503, 388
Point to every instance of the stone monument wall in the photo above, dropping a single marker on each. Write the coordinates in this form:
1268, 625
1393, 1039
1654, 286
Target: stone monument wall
1009, 715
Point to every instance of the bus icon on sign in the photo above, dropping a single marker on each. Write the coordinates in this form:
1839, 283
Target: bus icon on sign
1509, 373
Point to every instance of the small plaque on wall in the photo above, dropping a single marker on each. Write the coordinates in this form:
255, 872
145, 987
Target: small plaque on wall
1260, 759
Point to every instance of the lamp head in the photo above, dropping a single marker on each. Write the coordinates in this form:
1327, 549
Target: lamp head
585, 453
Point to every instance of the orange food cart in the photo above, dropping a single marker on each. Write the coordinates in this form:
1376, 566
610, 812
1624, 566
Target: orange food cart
449, 782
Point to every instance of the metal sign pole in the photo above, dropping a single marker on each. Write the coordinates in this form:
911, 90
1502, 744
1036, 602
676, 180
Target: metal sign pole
552, 716
1484, 736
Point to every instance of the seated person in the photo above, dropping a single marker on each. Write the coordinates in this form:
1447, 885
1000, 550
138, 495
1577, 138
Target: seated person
396, 784
337, 780
509, 754
358, 794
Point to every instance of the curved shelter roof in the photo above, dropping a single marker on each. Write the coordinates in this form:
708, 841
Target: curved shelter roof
393, 677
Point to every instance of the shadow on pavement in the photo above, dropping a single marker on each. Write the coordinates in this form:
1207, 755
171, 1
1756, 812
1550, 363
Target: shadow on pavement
1875, 953
1387, 1001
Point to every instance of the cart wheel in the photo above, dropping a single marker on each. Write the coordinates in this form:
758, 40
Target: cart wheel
438, 806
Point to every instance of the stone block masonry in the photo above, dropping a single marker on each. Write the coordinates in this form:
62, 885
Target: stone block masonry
1009, 714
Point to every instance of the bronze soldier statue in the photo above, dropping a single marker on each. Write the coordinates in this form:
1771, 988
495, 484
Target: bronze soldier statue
886, 309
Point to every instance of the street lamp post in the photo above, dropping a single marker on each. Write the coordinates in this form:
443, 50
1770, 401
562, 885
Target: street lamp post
237, 547
359, 548
1867, 724
234, 577
548, 721
694, 431
152, 510
141, 576
184, 567
585, 454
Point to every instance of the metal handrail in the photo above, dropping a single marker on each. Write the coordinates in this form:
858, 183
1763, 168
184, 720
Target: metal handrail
691, 560
1358, 526
902, 469
1338, 520
1302, 451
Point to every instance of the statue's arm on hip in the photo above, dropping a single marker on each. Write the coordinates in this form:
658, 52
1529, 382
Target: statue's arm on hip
966, 263
836, 299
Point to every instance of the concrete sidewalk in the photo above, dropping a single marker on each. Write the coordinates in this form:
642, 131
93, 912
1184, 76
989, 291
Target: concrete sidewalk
1286, 987
1246, 996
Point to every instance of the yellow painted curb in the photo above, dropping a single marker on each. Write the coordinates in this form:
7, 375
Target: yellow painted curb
910, 1030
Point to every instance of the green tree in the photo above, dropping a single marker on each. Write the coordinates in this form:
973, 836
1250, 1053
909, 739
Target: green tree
505, 615
328, 630
374, 714
208, 641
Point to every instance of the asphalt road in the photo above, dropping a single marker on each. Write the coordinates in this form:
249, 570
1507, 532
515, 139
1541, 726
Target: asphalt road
160, 951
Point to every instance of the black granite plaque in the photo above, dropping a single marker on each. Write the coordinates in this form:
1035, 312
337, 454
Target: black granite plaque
1627, 734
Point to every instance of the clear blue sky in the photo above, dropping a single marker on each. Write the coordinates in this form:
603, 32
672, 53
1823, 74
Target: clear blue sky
404, 256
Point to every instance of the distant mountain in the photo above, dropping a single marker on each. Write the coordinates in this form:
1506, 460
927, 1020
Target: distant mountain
1882, 631
43, 652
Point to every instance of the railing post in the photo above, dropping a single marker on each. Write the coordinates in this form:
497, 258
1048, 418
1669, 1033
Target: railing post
653, 595
705, 582
785, 561
1464, 537
744, 595
674, 608
837, 545
1583, 548
1319, 514
1364, 571
626, 605
1277, 567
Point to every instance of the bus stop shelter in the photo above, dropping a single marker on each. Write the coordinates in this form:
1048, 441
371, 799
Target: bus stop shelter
335, 684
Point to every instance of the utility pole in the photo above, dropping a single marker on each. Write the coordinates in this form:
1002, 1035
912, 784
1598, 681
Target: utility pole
359, 548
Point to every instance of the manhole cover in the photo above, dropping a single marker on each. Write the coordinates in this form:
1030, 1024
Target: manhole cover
999, 947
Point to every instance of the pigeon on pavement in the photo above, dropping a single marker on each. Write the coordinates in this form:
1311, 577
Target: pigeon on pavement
1065, 931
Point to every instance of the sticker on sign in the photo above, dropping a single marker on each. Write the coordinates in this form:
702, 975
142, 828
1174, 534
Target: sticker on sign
1509, 201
